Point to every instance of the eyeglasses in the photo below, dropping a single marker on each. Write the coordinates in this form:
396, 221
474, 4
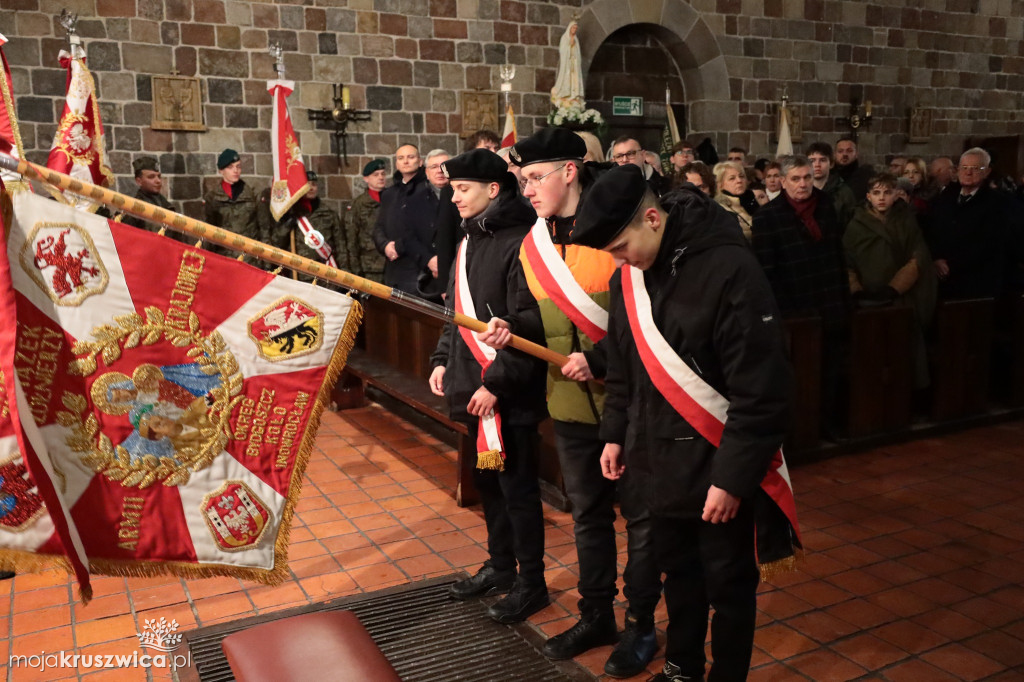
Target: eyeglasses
627, 156
433, 166
535, 182
973, 169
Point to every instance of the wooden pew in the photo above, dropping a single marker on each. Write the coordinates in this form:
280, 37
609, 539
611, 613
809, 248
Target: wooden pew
803, 337
881, 370
962, 358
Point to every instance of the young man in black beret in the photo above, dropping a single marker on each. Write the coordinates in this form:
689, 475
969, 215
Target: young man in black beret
698, 391
570, 284
360, 218
498, 394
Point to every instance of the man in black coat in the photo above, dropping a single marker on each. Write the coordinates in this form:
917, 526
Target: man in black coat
511, 385
713, 308
405, 222
968, 232
797, 239
850, 169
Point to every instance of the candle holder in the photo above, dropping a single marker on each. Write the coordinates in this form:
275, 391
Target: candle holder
341, 114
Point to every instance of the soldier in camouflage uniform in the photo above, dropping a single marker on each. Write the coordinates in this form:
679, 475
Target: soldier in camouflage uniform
360, 218
150, 182
324, 220
231, 204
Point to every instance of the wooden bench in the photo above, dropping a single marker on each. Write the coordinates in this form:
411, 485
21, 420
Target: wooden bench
881, 374
803, 338
962, 358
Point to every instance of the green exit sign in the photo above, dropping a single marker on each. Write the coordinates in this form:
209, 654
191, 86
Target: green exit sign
627, 106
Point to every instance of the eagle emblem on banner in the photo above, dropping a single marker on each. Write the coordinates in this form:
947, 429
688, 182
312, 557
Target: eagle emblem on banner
235, 516
62, 260
20, 504
289, 328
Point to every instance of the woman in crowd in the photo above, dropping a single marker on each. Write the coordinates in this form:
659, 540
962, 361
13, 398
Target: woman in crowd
731, 179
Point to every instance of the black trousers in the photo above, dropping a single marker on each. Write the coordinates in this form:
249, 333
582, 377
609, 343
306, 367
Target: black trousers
712, 565
593, 513
512, 508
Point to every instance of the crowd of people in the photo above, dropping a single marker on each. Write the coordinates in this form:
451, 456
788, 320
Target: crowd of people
532, 240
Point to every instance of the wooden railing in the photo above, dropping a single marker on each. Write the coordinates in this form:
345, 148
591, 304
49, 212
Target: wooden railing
393, 363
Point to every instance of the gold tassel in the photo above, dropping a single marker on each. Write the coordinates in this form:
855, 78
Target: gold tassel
276, 271
162, 231
240, 258
491, 460
314, 281
199, 244
774, 568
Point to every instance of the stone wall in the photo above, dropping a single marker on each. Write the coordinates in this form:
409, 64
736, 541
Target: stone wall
408, 60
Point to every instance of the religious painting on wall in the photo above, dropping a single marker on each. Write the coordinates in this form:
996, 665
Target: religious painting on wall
479, 112
920, 125
796, 125
177, 103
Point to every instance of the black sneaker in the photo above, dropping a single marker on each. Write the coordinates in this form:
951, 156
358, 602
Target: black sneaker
671, 673
487, 581
593, 629
520, 603
636, 648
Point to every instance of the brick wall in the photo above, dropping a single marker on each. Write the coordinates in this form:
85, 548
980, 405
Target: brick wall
408, 60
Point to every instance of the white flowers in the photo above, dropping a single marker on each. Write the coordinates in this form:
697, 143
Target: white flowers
574, 114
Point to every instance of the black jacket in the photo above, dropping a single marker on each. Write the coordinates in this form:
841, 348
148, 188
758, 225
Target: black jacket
406, 217
499, 289
447, 232
973, 238
714, 307
808, 277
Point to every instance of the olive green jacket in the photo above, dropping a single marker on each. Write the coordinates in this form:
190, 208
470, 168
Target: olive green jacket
237, 215
363, 256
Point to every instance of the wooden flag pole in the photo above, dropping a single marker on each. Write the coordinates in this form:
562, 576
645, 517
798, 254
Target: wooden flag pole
257, 249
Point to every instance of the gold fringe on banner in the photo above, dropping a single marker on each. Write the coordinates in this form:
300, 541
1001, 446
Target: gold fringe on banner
770, 570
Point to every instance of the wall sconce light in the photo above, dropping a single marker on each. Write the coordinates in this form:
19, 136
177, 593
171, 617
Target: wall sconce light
856, 120
341, 114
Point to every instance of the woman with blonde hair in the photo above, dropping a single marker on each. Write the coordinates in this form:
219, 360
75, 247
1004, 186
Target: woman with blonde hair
916, 170
731, 178
594, 152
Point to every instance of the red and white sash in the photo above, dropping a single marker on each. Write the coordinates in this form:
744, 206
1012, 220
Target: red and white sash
490, 449
704, 408
315, 240
557, 281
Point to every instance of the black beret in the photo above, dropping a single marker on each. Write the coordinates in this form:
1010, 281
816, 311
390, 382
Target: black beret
480, 165
374, 166
550, 144
311, 176
226, 158
145, 163
609, 206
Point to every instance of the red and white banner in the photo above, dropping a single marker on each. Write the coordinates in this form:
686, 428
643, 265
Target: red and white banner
557, 280
508, 137
10, 136
290, 182
176, 398
315, 240
79, 149
704, 408
490, 449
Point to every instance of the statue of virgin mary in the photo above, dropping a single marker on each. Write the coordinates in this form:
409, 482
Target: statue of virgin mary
568, 90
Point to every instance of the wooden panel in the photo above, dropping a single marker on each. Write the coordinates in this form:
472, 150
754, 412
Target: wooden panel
1017, 350
881, 376
803, 336
962, 357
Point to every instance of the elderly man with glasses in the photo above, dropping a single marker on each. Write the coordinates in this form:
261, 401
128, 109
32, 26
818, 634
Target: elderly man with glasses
969, 230
627, 149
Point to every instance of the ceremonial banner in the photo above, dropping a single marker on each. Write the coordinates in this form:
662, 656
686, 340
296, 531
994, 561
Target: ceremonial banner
177, 392
669, 136
290, 182
10, 136
508, 137
78, 148
785, 147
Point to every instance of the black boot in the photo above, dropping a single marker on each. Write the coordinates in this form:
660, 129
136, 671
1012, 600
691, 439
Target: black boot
520, 603
670, 672
636, 647
596, 627
487, 581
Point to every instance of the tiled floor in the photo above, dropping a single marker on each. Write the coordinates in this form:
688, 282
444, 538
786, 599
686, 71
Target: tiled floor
915, 568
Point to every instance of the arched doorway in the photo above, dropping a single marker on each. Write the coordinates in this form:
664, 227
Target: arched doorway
677, 29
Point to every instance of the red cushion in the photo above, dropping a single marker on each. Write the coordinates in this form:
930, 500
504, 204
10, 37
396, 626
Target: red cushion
326, 646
